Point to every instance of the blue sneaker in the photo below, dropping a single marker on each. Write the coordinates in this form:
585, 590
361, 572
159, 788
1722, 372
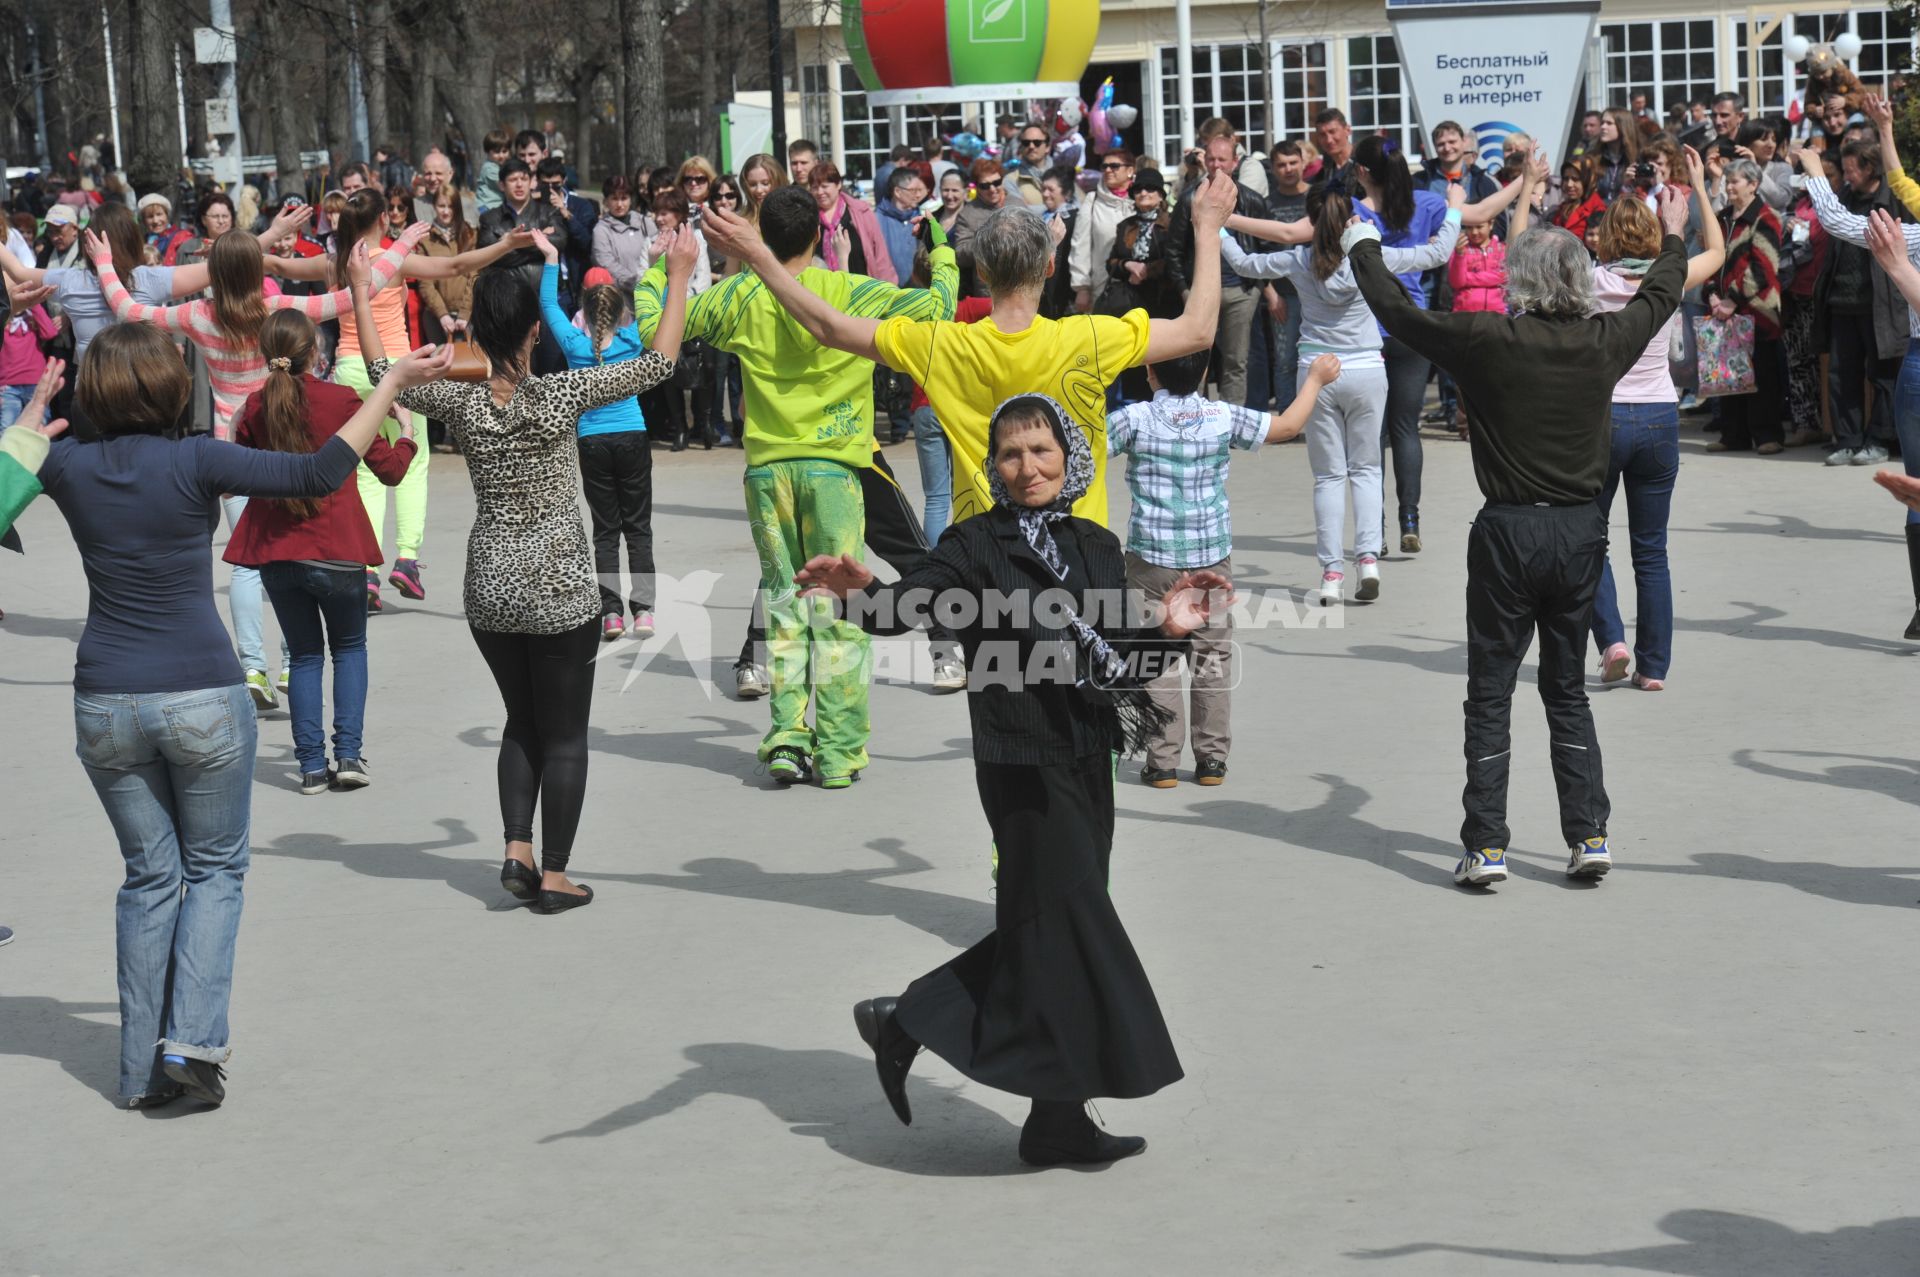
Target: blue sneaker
1591, 859
1482, 868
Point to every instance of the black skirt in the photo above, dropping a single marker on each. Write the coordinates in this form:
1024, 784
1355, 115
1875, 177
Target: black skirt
1054, 1004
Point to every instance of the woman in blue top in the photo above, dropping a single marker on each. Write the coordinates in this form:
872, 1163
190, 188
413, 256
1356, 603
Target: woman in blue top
163, 722
616, 456
1407, 219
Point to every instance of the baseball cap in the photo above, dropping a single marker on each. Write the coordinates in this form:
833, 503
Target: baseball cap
597, 277
62, 215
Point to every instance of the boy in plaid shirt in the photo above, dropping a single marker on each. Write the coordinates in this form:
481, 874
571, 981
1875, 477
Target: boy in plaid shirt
1177, 444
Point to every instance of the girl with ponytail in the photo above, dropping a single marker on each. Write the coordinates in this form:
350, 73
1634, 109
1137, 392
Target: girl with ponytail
1337, 328
311, 552
616, 456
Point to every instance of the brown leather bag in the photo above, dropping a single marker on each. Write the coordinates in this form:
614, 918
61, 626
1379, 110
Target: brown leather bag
470, 363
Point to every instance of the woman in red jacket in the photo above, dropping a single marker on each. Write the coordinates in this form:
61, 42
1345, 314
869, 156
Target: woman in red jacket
313, 553
1579, 203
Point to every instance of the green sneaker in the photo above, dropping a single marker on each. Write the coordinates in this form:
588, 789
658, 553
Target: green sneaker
261, 690
788, 766
839, 782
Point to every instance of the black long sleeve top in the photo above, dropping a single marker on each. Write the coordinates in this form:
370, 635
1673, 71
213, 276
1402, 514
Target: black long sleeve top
1538, 391
988, 585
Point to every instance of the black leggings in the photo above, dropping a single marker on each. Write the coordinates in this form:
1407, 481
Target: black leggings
546, 681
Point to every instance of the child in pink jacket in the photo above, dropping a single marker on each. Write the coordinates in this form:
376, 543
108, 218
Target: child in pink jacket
1478, 272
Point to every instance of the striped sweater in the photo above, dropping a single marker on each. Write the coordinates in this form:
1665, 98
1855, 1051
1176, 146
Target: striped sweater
237, 371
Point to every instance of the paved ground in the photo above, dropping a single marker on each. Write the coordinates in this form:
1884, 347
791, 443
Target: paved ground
1702, 1067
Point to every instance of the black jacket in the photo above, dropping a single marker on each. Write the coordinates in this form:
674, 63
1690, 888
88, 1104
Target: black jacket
1889, 308
538, 214
1180, 236
1019, 719
1144, 239
1538, 392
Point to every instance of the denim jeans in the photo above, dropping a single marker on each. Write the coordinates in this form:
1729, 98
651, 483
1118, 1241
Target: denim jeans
1906, 416
1646, 454
306, 599
174, 771
13, 402
244, 599
936, 472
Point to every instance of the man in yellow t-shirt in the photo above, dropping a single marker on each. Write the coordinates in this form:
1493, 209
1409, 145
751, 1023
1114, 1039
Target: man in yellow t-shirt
968, 370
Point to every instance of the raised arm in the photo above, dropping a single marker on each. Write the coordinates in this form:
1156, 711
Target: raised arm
25, 444
576, 345
1890, 250
1431, 255
1706, 263
177, 318
425, 266
1483, 212
1324, 371
1904, 188
1213, 202
1834, 217
1438, 337
19, 271
1259, 265
372, 347
1298, 231
1535, 178
386, 268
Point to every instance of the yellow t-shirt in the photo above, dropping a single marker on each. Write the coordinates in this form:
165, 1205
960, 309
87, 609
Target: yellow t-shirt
968, 370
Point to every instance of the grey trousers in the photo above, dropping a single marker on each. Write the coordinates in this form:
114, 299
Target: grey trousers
1238, 306
1210, 665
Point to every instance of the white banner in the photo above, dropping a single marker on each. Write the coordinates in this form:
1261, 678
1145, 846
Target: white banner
1496, 69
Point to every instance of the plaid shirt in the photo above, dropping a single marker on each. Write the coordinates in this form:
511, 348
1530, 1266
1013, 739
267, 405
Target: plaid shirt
1177, 450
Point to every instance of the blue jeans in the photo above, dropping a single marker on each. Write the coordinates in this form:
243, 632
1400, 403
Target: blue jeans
1906, 415
936, 472
306, 599
244, 599
1646, 453
13, 402
174, 771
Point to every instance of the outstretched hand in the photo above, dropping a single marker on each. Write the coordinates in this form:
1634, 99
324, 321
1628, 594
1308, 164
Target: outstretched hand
1905, 488
1673, 210
1213, 202
1888, 242
683, 254
23, 296
429, 363
34, 415
97, 248
1878, 110
545, 245
837, 575
1191, 601
732, 234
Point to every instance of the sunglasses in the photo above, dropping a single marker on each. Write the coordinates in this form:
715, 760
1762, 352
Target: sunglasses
1033, 141
1112, 167
694, 179
726, 197
994, 185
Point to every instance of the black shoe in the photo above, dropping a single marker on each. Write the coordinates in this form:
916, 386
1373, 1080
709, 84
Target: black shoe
1159, 777
1913, 626
893, 1050
706, 438
1410, 534
561, 901
202, 1080
1061, 1134
351, 773
679, 442
315, 782
1211, 771
153, 1101
521, 881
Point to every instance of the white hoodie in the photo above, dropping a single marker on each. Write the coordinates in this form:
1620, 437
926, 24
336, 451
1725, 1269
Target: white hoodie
1101, 212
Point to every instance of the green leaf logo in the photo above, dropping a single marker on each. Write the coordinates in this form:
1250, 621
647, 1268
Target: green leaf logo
995, 11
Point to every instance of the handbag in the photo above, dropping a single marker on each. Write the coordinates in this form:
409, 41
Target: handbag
470, 363
1726, 355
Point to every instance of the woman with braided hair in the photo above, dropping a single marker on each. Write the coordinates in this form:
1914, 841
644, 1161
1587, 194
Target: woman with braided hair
616, 457
1054, 1005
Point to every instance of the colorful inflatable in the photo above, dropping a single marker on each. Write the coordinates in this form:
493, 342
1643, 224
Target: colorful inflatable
914, 52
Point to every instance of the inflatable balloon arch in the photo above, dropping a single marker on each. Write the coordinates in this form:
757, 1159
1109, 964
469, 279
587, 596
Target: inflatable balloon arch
937, 52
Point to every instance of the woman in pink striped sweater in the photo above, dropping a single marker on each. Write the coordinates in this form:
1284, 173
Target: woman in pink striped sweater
226, 329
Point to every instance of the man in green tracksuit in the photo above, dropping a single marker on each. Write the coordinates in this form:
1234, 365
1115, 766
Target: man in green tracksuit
809, 430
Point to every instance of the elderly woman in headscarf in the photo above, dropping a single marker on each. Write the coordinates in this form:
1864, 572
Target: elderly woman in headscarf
1054, 1005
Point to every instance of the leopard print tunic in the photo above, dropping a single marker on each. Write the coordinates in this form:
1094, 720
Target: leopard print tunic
529, 563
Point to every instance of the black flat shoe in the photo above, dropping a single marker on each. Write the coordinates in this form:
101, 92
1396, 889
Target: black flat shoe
893, 1050
561, 901
1061, 1134
202, 1080
522, 882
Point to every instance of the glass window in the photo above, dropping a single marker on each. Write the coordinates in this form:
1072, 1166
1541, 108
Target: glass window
1227, 82
1671, 62
1376, 92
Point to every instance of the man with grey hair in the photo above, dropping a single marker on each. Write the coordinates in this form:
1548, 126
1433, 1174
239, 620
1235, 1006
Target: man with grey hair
436, 175
1537, 384
967, 370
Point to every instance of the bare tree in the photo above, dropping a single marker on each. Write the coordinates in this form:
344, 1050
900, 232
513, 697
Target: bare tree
154, 144
641, 57
377, 22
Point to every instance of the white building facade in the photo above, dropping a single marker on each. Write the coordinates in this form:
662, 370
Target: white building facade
1332, 53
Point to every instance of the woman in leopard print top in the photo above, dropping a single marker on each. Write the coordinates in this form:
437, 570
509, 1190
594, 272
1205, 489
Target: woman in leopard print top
532, 601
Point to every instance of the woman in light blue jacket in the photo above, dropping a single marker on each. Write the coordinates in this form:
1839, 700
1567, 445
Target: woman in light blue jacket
1343, 435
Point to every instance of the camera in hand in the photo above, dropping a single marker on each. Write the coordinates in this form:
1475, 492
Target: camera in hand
1644, 175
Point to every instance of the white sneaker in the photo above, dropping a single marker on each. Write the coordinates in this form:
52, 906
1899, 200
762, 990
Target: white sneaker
1871, 455
950, 673
1330, 588
1840, 457
1591, 859
1482, 868
1369, 579
750, 682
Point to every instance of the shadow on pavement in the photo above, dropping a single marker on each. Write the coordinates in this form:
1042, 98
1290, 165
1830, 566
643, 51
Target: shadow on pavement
409, 861
1716, 1243
1449, 658
1895, 777
26, 625
834, 1096
1755, 625
49, 1029
955, 919
1796, 528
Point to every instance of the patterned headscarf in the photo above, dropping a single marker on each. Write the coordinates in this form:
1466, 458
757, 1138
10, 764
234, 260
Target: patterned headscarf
1036, 522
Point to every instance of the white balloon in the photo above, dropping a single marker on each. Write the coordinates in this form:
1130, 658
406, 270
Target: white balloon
1796, 48
1847, 46
1122, 116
